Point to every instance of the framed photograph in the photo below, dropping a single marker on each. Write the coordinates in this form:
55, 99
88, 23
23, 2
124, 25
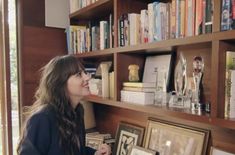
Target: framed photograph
127, 135
94, 142
157, 70
170, 138
216, 151
136, 150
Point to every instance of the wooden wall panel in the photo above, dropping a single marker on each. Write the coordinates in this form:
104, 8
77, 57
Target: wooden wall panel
39, 46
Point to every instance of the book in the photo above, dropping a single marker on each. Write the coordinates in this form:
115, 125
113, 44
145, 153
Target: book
230, 85
142, 98
139, 89
138, 84
225, 15
111, 85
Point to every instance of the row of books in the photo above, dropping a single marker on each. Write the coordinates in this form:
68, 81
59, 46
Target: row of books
90, 38
228, 15
75, 5
162, 21
230, 85
95, 86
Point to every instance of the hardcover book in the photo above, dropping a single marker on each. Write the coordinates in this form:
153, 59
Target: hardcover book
230, 85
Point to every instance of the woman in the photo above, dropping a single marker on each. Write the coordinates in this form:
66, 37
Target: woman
56, 124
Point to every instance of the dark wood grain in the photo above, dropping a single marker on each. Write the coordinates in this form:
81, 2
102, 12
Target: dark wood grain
38, 46
216, 14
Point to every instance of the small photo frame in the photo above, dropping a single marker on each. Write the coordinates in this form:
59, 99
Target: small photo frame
127, 135
94, 143
158, 70
171, 138
136, 150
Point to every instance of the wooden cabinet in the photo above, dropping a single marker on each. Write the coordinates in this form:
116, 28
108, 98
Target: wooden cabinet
212, 47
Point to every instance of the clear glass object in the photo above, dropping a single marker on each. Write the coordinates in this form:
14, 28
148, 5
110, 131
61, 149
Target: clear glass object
198, 68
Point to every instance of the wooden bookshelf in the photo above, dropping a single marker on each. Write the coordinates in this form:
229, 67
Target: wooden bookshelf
151, 109
211, 46
165, 111
93, 11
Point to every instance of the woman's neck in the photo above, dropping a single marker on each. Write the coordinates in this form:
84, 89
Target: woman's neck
75, 101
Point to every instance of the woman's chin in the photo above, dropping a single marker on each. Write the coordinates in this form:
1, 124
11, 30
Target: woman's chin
87, 93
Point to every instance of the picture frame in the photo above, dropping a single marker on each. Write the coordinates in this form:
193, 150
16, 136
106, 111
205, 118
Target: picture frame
172, 138
127, 135
137, 150
94, 143
158, 70
217, 151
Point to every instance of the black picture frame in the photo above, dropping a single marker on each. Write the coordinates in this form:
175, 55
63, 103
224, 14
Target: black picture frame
127, 135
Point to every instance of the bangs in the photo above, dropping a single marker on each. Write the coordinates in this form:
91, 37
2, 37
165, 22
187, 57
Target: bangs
70, 66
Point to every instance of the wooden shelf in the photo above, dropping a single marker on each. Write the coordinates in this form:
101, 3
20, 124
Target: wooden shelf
151, 109
105, 52
164, 111
94, 11
226, 123
224, 35
155, 47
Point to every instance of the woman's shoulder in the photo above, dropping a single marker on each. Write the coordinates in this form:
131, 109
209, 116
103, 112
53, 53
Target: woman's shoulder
46, 113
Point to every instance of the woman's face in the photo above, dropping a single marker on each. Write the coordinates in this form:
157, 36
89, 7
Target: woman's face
77, 86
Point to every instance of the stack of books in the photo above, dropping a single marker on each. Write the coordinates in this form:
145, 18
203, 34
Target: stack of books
95, 139
138, 93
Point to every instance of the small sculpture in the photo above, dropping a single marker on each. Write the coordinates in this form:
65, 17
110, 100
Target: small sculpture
133, 73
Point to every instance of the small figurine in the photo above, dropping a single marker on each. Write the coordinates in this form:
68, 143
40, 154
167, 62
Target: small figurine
133, 73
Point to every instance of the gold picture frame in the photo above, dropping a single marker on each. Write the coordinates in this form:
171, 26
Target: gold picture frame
170, 138
137, 150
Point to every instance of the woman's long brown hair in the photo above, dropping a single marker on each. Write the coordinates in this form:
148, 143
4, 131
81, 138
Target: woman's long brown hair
52, 91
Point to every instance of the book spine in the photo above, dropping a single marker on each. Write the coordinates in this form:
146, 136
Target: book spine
182, 18
225, 15
151, 22
229, 109
233, 15
198, 18
173, 19
209, 11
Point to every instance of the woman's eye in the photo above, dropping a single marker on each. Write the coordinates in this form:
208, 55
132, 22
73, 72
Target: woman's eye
79, 74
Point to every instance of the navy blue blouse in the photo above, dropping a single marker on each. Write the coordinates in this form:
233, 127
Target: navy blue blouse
41, 136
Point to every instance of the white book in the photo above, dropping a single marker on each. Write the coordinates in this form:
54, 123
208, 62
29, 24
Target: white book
142, 98
144, 26
74, 5
111, 85
140, 89
151, 22
134, 28
101, 35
